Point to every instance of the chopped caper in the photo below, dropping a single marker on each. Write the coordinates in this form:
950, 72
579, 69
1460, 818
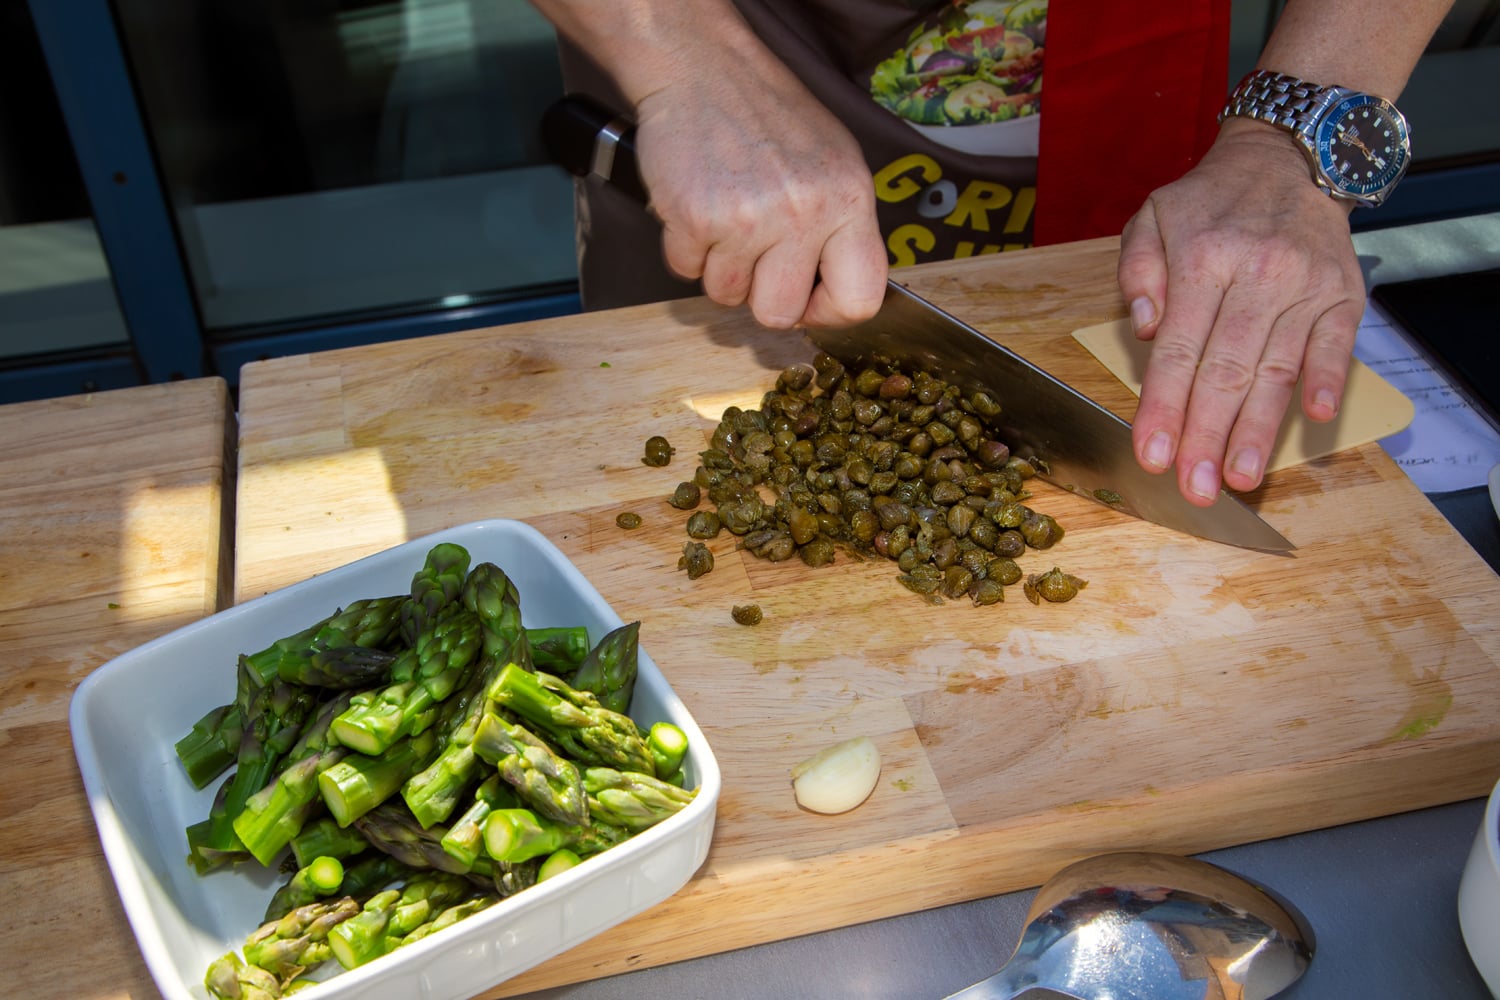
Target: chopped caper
746, 614
703, 524
696, 559
628, 520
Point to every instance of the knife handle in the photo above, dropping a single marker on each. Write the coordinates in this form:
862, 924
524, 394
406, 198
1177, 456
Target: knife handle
587, 139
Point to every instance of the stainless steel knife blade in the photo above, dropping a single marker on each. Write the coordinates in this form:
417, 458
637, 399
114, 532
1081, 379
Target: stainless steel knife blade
1082, 447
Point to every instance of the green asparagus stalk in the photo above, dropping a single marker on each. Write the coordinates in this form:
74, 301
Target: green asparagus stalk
392, 829
609, 670
277, 714
631, 800
433, 794
491, 595
668, 745
298, 940
373, 873
359, 783
368, 623
442, 660
433, 587
319, 879
209, 748
545, 781
389, 916
586, 732
514, 835
464, 839
323, 837
229, 978
201, 855
556, 863
449, 917
275, 814
558, 649
340, 668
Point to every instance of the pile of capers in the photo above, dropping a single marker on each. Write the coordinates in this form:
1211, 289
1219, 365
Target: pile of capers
878, 462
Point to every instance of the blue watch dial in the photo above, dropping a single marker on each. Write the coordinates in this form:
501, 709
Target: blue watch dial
1362, 146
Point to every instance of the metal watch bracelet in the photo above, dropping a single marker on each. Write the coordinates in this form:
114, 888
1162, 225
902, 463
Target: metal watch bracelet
1276, 98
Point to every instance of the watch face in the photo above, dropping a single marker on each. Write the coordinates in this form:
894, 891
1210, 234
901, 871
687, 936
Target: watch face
1362, 146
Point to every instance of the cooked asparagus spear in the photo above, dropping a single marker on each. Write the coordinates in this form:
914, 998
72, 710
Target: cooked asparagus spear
586, 732
545, 781
318, 879
359, 783
434, 793
608, 671
391, 828
433, 587
278, 951
514, 835
275, 814
465, 838
390, 916
558, 649
668, 745
213, 744
420, 679
491, 595
276, 716
449, 917
631, 800
323, 837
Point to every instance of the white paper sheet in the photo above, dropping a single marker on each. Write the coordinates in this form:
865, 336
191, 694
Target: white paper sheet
1448, 446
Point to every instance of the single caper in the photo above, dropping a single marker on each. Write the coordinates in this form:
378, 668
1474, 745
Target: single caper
818, 552
746, 614
696, 559
628, 520
686, 496
658, 451
704, 524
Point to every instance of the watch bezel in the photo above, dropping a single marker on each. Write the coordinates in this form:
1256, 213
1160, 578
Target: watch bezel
1321, 148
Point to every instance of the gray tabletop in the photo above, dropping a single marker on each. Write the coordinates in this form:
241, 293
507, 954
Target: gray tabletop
1380, 895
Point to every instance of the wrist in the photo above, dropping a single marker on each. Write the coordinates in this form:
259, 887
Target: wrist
647, 46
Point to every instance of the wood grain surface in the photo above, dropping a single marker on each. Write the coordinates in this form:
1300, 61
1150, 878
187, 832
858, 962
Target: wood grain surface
1194, 696
114, 529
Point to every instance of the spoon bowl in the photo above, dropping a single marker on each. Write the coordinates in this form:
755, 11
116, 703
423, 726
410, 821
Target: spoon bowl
1146, 926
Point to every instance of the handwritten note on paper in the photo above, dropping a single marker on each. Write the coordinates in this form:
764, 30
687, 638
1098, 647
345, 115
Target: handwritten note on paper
1448, 445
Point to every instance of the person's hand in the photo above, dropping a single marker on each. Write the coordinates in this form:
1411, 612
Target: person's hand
763, 195
1243, 275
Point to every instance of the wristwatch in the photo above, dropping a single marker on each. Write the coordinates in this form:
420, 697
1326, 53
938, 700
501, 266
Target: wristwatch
1356, 143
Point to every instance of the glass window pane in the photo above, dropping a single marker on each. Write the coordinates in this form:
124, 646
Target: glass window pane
56, 296
341, 157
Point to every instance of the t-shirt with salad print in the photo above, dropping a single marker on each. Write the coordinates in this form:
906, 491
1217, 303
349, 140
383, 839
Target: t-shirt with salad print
946, 99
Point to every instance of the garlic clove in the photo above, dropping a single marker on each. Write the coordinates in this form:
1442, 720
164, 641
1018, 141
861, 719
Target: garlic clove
837, 778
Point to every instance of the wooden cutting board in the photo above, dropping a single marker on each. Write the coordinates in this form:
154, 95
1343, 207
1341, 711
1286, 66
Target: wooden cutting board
114, 529
1194, 696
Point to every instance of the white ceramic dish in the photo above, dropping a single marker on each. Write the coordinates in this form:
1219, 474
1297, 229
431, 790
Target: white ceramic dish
1479, 897
127, 715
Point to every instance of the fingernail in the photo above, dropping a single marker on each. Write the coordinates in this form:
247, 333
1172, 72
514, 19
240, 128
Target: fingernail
1158, 450
1204, 480
1247, 463
1142, 312
1327, 400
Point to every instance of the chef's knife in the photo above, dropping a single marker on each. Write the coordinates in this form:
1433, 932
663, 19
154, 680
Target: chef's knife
1074, 442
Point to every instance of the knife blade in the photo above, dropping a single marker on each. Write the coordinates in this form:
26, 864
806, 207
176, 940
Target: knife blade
1076, 443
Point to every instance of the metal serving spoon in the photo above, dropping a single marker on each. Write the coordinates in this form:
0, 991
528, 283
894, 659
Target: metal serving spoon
1143, 926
